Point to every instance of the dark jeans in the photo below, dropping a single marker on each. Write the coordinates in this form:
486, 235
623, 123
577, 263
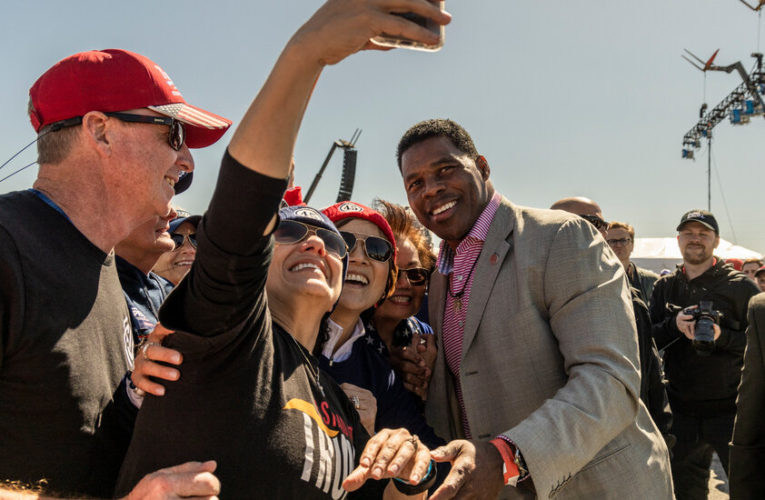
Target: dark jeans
697, 439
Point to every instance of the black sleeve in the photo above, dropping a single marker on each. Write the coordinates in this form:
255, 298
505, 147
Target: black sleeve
663, 327
733, 330
226, 283
652, 387
11, 292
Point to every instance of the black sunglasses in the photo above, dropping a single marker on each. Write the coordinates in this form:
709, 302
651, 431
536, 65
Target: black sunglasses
175, 137
375, 247
417, 276
178, 239
290, 232
596, 221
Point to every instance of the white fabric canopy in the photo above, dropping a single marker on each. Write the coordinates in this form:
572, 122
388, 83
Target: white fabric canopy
663, 253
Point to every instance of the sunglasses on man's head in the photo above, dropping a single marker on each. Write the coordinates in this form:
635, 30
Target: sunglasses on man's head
290, 232
375, 247
179, 239
417, 276
596, 221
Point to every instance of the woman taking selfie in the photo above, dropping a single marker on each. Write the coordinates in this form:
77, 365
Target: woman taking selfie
251, 395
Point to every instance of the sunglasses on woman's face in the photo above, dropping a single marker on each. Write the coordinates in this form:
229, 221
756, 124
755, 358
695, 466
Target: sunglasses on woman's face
417, 276
376, 248
179, 239
290, 232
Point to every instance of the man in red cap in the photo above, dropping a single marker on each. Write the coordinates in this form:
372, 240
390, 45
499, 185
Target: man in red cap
114, 135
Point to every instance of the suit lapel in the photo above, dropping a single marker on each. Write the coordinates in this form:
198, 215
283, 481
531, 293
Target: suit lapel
495, 249
436, 299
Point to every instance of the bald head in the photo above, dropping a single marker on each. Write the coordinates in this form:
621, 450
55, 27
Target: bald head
578, 205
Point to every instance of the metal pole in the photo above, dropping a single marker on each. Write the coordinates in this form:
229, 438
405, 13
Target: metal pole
709, 174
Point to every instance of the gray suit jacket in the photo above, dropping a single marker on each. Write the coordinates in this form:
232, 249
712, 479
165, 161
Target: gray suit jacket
549, 358
747, 452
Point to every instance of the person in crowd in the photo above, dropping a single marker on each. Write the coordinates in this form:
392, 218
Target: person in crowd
348, 355
759, 278
144, 290
537, 364
735, 263
620, 236
584, 208
699, 318
747, 449
395, 321
259, 401
750, 267
652, 388
109, 161
175, 263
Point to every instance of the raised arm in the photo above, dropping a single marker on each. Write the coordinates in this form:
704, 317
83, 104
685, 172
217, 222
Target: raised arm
265, 138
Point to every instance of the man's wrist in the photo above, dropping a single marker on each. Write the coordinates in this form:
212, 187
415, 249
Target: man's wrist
514, 468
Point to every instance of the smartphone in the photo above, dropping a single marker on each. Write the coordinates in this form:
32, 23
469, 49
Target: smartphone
393, 41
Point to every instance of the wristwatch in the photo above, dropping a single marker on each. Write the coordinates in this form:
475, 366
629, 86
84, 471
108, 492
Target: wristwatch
514, 469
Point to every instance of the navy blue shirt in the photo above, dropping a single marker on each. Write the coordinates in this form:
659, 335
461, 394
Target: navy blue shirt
144, 295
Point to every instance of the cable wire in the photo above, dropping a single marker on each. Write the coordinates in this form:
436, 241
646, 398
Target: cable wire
17, 171
722, 196
18, 153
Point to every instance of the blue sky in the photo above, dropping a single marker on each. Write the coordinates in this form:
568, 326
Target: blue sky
563, 98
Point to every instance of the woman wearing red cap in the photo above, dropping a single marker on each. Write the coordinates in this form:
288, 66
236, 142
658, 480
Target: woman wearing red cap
349, 354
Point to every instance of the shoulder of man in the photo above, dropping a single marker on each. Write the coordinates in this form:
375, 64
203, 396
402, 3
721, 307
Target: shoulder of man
726, 271
645, 273
757, 302
541, 217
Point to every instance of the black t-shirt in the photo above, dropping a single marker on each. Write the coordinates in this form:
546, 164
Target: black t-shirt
65, 345
248, 395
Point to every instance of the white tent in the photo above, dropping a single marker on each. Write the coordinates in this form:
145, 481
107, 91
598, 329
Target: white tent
663, 253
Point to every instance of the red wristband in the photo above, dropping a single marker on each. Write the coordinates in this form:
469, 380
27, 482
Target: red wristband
510, 471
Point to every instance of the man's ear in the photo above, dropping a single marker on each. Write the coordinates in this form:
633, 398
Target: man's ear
95, 126
483, 166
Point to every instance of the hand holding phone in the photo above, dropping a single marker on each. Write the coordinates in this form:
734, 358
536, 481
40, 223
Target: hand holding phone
386, 40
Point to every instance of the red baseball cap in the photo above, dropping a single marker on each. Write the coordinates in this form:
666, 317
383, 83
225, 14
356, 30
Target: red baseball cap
117, 80
351, 209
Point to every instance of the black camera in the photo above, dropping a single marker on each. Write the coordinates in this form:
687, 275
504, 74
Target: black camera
704, 332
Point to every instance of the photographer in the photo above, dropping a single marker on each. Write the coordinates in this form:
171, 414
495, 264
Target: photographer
699, 317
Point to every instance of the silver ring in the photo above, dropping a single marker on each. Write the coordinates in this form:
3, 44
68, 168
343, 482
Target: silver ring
145, 348
356, 402
415, 442
423, 341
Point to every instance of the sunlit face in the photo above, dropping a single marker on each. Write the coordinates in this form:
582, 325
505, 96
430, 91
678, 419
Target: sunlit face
149, 167
303, 271
366, 278
697, 243
621, 243
406, 299
447, 189
176, 263
749, 269
149, 239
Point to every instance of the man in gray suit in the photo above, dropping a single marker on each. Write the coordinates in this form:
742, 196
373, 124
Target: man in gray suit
536, 381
